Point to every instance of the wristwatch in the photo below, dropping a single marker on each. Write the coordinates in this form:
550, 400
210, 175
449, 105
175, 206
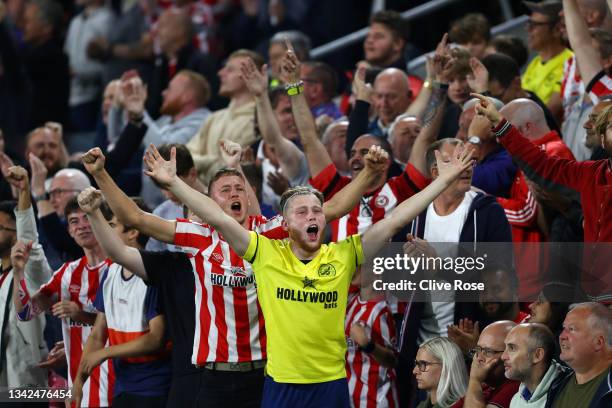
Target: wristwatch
368, 348
41, 197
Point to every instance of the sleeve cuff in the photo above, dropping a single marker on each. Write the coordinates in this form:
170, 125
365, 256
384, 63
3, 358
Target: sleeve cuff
502, 128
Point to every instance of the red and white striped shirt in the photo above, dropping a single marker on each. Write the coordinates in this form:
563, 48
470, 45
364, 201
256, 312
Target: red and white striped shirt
572, 87
372, 208
78, 282
229, 324
370, 384
600, 85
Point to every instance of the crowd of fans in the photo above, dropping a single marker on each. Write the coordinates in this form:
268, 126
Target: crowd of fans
129, 269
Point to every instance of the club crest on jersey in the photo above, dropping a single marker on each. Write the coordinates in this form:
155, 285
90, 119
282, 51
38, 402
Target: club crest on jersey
381, 201
74, 289
327, 271
217, 257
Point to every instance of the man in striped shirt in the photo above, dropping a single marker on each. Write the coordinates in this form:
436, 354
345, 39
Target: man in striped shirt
303, 284
128, 318
70, 295
228, 345
370, 336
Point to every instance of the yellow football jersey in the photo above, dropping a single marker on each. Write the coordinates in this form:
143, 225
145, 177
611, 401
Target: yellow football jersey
304, 306
544, 79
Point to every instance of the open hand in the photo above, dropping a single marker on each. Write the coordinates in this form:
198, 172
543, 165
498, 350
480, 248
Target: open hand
39, 174
255, 79
56, 357
465, 334
478, 80
290, 65
65, 309
278, 182
160, 170
460, 160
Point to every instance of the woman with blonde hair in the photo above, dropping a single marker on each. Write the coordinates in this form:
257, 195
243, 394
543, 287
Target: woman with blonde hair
440, 370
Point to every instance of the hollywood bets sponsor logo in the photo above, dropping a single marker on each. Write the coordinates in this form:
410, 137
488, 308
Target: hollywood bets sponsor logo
237, 277
329, 299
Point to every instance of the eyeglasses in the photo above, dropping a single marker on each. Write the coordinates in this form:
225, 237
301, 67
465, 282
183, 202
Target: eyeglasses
423, 365
488, 353
59, 191
532, 24
3, 228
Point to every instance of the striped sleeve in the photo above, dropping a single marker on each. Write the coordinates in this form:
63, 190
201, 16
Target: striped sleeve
191, 234
599, 86
54, 286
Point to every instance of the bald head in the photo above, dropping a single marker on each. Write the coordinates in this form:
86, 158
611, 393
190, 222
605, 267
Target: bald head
392, 94
66, 184
527, 116
493, 335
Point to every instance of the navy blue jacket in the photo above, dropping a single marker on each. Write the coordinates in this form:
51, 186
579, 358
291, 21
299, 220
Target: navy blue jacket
495, 174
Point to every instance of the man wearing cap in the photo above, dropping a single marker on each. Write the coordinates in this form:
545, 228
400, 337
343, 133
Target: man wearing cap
544, 73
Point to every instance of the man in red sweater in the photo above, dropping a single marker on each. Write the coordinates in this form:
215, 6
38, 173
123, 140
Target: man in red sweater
524, 205
592, 179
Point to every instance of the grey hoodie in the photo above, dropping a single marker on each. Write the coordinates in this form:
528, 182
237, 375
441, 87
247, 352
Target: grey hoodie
538, 398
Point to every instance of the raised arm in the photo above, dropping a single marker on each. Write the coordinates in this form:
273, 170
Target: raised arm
434, 112
37, 270
231, 152
587, 57
315, 151
554, 169
358, 119
126, 211
347, 198
90, 200
164, 172
378, 234
288, 154
419, 105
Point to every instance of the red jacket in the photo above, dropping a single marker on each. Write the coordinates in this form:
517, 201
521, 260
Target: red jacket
592, 179
521, 208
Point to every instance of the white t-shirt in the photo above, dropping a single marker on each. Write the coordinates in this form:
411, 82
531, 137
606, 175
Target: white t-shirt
437, 316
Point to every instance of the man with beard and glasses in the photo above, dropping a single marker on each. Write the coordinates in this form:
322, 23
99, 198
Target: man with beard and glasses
488, 387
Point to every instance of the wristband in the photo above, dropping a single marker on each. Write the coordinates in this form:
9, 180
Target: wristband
295, 88
440, 85
368, 348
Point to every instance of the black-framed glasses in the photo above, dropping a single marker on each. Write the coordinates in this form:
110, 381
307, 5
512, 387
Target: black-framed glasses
532, 24
59, 191
3, 228
488, 353
423, 365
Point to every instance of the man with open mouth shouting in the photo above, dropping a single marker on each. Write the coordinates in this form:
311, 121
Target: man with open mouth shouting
302, 284
208, 293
